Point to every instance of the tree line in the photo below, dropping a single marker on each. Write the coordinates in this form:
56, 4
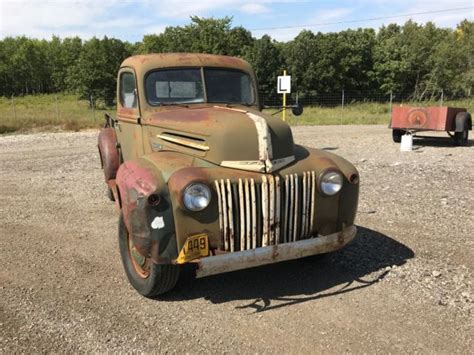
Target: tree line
420, 59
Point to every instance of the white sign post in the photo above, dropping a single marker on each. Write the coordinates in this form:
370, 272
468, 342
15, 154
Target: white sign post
284, 84
284, 87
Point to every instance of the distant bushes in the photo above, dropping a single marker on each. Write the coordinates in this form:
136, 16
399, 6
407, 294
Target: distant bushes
414, 58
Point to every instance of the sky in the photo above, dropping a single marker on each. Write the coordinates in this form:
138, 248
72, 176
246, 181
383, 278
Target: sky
130, 20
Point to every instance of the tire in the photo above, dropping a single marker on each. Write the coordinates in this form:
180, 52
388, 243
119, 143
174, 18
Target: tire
461, 138
397, 135
148, 278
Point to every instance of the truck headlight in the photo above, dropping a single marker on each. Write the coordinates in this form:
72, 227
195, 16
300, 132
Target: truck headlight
330, 183
196, 197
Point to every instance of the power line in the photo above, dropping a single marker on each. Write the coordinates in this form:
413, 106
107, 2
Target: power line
361, 20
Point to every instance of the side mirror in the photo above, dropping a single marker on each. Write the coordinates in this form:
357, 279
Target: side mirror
297, 109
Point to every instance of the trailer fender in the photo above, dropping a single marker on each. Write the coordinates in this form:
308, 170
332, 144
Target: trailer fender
109, 154
463, 121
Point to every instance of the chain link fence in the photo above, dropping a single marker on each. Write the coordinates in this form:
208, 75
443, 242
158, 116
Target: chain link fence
51, 110
357, 107
345, 98
362, 107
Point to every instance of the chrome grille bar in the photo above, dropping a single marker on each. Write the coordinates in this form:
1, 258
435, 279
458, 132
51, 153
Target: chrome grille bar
265, 211
222, 228
242, 215
275, 210
271, 203
291, 193
254, 213
248, 234
231, 217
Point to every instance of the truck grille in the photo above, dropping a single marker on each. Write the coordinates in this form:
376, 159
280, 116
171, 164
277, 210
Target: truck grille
255, 214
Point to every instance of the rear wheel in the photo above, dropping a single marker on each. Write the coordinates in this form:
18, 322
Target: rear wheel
461, 138
148, 278
397, 135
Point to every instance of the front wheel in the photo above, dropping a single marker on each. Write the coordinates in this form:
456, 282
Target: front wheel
461, 138
148, 278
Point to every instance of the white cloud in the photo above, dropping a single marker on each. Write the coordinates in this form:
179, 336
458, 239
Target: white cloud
279, 34
132, 18
42, 18
329, 15
254, 8
182, 9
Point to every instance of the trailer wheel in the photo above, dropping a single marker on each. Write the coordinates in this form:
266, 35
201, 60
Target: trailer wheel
397, 135
148, 278
461, 138
463, 124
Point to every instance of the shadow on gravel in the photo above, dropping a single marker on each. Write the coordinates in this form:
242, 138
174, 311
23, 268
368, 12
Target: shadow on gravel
288, 283
445, 142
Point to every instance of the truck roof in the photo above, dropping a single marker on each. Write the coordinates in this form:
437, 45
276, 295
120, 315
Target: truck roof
144, 63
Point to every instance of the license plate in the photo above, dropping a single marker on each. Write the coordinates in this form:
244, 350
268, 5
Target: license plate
195, 247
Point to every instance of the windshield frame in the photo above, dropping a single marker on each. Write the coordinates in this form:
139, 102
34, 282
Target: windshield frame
202, 69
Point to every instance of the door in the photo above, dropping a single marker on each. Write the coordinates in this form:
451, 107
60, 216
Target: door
128, 127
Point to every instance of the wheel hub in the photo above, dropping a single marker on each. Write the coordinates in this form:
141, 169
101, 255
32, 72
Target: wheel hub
140, 263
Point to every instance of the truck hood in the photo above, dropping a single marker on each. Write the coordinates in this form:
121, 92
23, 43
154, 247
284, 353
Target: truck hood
231, 137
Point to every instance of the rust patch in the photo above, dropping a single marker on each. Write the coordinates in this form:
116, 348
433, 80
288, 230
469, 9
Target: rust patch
135, 183
198, 115
173, 160
122, 111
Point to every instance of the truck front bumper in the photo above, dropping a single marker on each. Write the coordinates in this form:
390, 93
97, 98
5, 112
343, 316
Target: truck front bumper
222, 263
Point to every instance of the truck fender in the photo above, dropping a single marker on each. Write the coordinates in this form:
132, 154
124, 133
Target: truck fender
147, 210
463, 120
109, 154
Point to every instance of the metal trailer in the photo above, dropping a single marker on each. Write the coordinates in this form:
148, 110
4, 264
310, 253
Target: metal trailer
455, 121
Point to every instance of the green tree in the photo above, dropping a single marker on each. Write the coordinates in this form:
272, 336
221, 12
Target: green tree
267, 60
95, 71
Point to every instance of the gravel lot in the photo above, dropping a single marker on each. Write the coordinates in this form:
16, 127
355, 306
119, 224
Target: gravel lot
404, 285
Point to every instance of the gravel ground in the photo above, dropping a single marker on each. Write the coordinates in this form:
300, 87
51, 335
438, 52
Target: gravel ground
403, 285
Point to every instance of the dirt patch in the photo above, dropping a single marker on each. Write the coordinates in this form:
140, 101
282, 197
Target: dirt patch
404, 284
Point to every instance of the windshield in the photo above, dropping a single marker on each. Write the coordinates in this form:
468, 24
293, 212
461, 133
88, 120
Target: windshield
174, 86
185, 85
229, 86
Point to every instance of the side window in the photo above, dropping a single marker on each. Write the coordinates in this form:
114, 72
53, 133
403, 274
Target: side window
128, 94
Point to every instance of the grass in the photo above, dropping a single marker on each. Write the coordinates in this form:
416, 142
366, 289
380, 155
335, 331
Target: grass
360, 113
66, 112
48, 112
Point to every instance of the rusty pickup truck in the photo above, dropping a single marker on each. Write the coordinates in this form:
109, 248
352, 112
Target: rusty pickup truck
200, 175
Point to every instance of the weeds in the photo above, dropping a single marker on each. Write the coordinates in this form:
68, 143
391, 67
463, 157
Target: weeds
66, 112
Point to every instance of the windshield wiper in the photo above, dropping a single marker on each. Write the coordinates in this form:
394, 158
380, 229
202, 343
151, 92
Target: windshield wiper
232, 104
174, 104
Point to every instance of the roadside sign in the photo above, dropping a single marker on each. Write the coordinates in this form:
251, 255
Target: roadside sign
284, 84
